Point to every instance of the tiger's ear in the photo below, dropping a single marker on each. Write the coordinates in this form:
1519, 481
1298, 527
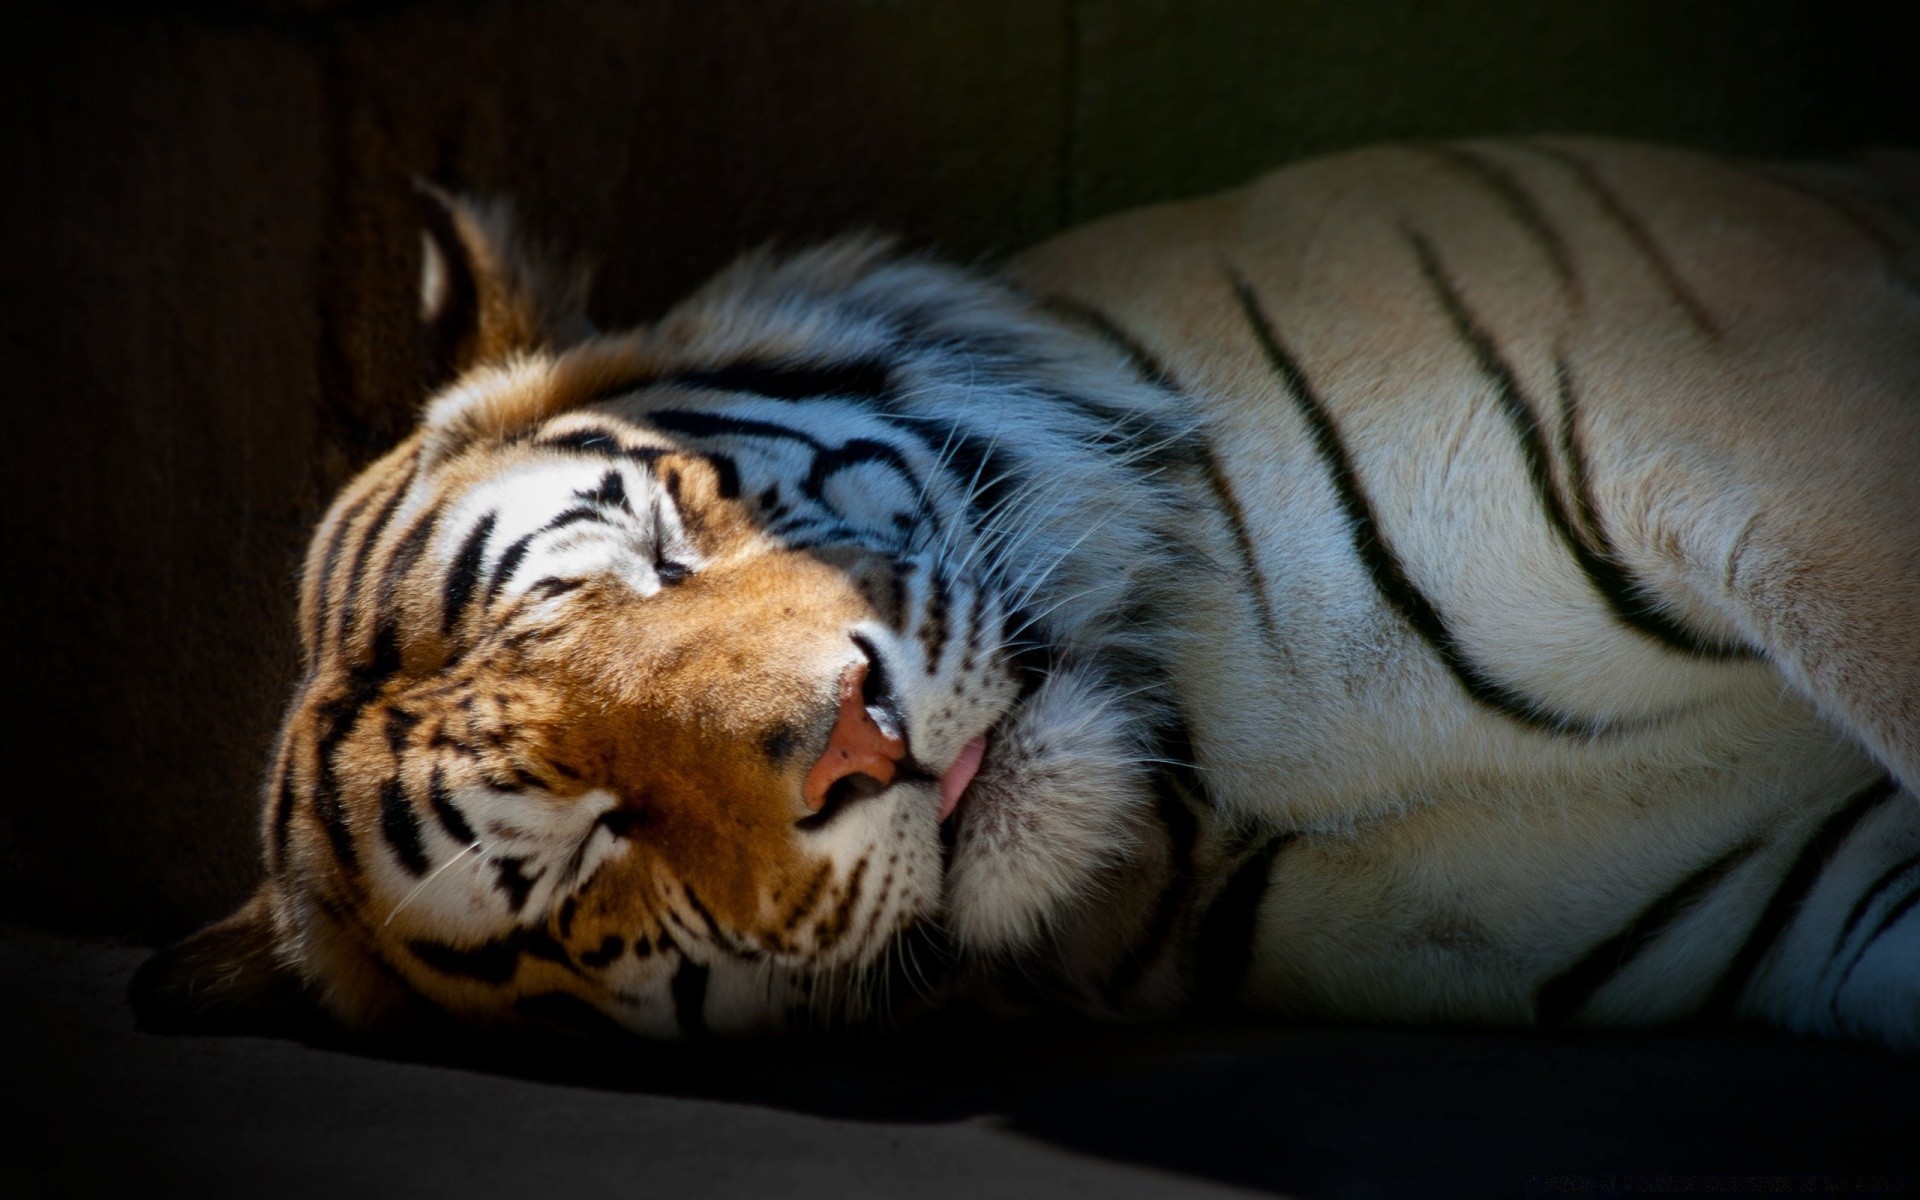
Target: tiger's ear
486, 293
227, 978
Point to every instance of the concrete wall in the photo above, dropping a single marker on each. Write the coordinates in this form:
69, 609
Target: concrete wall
210, 257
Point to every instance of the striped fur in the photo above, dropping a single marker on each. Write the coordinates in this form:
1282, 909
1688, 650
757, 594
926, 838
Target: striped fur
1464, 583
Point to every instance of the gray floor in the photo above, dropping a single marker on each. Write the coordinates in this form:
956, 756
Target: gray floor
1113, 1115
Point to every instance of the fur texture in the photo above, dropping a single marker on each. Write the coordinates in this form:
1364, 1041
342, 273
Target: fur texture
1455, 583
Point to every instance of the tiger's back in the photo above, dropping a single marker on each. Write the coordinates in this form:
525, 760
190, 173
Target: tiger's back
1520, 447
1468, 582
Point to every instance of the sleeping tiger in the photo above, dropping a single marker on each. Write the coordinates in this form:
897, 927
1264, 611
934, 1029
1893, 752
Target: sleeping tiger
1456, 583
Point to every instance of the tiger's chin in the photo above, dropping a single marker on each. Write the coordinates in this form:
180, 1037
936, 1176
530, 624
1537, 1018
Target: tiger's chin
1058, 804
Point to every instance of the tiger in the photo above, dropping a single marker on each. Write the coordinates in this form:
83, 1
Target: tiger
1468, 583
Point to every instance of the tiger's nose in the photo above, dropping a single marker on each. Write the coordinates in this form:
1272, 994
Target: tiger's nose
857, 746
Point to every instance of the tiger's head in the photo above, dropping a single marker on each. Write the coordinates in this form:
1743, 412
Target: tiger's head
712, 675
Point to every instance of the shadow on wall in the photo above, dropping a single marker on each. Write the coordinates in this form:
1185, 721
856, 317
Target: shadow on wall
209, 290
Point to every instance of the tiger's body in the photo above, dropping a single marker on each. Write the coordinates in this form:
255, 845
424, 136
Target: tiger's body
1470, 583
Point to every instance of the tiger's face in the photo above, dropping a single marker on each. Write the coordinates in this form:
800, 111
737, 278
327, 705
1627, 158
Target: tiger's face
718, 676
642, 756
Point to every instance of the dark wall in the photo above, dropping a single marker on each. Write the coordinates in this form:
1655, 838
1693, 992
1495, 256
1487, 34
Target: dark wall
210, 257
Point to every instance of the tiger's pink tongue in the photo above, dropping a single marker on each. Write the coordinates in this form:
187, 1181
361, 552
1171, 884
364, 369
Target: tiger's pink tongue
954, 780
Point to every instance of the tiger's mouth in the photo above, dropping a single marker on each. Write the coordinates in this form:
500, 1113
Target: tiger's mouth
956, 778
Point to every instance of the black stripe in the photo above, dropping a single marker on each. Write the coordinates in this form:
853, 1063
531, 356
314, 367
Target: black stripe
283, 804
1223, 495
1223, 951
1861, 908
611, 492
1200, 451
357, 572
405, 555
511, 557
611, 946
727, 476
596, 440
489, 962
690, 998
1791, 894
401, 825
1872, 894
1121, 430
1891, 918
1138, 438
585, 441
400, 724
328, 562
708, 425
1520, 205
538, 943
338, 717
1370, 544
1562, 997
446, 811
857, 452
1177, 789
980, 467
1183, 832
1109, 331
714, 933
934, 625
973, 460
1636, 231
1622, 594
331, 811
572, 516
494, 961
516, 883
786, 380
465, 573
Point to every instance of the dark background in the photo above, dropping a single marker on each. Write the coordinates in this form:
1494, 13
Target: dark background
210, 260
207, 310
